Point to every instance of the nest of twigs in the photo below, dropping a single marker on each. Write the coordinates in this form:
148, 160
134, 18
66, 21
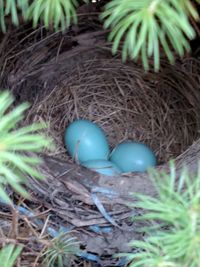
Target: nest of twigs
66, 81
157, 109
65, 78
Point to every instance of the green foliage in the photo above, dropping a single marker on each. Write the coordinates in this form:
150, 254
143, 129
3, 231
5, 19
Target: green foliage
9, 255
59, 13
173, 236
144, 27
62, 250
14, 143
146, 24
11, 7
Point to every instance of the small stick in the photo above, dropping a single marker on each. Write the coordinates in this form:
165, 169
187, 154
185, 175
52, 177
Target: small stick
14, 227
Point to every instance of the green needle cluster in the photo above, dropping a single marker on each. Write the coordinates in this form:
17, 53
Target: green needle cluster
9, 255
173, 234
61, 251
58, 13
15, 142
147, 26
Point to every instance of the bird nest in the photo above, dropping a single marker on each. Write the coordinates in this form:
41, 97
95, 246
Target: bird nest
160, 110
155, 109
65, 81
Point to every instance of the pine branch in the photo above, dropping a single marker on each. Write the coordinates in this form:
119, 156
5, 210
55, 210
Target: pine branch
61, 251
173, 236
9, 255
143, 26
60, 13
14, 142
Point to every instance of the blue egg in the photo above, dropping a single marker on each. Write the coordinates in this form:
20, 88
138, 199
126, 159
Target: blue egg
105, 167
84, 141
133, 157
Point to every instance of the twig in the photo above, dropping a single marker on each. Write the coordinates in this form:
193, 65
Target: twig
14, 227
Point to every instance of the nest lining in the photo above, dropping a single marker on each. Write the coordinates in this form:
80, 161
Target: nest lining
156, 109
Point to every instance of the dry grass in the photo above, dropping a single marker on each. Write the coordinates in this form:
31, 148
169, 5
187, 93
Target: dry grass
65, 83
160, 110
